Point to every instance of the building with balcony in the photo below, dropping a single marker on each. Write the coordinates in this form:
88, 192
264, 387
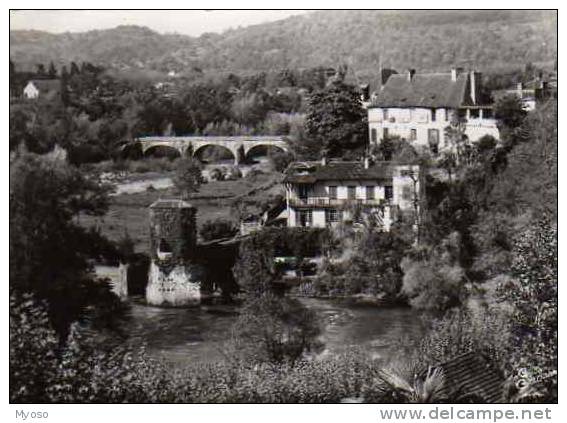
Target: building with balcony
322, 194
418, 108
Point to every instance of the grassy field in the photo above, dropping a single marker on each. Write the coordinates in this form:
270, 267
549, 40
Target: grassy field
129, 212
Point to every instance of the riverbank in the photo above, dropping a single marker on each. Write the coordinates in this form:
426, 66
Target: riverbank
128, 210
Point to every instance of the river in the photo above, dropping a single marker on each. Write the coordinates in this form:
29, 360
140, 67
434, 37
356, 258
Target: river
187, 335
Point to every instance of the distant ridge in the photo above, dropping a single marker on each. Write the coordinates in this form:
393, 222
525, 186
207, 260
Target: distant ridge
425, 40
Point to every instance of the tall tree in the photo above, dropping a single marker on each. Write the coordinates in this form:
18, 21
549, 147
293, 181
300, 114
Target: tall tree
49, 251
336, 120
52, 72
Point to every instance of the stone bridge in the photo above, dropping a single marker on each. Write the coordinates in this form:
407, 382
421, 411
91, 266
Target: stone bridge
239, 146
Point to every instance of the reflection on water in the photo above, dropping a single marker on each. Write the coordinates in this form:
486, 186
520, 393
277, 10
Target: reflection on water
198, 334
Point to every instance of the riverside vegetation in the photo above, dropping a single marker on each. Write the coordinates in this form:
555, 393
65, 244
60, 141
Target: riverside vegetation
484, 274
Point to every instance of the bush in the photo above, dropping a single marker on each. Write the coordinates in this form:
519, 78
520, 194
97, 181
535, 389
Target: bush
188, 176
280, 160
215, 229
33, 347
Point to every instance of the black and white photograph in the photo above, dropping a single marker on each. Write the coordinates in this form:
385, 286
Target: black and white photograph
276, 206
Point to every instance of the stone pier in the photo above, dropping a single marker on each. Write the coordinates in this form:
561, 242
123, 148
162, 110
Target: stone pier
173, 279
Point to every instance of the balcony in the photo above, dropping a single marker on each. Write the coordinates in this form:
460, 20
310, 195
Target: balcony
333, 202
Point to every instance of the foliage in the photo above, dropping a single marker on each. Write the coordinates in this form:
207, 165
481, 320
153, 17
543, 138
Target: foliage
50, 252
533, 293
502, 39
280, 160
434, 281
374, 267
336, 120
33, 350
273, 329
188, 176
509, 111
215, 229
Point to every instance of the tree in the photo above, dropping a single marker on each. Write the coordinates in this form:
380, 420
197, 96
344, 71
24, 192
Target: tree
49, 252
509, 111
336, 120
52, 72
215, 229
188, 176
40, 69
74, 69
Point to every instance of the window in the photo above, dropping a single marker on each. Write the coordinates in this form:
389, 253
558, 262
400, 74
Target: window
303, 191
305, 218
475, 113
433, 138
385, 133
446, 115
332, 193
487, 113
351, 192
433, 115
385, 114
388, 192
370, 192
413, 134
332, 216
373, 135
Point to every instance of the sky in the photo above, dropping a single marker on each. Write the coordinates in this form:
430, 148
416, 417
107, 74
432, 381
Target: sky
189, 22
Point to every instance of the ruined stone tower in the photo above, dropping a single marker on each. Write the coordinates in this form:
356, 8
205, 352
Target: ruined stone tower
173, 279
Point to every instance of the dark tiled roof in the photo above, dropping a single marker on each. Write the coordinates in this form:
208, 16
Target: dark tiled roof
310, 172
170, 204
471, 375
424, 90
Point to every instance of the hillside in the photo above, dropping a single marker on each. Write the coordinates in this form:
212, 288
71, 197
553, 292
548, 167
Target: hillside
424, 40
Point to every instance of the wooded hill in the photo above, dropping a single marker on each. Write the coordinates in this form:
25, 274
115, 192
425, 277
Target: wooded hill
425, 40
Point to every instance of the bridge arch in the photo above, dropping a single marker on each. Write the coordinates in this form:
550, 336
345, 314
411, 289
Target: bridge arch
200, 149
162, 150
268, 147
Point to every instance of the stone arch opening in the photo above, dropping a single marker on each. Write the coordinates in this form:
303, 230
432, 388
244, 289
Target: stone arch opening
161, 151
211, 153
262, 152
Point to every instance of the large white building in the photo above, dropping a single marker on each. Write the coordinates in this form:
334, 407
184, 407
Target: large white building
321, 194
418, 108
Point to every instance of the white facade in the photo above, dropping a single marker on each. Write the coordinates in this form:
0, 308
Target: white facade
423, 126
31, 91
328, 202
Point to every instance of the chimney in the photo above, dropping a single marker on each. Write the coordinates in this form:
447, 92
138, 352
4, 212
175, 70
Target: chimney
475, 81
411, 73
454, 73
324, 161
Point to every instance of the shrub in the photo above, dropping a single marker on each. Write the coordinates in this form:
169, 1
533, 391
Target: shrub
188, 176
280, 160
215, 229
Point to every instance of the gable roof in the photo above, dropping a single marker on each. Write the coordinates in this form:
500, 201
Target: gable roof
45, 85
431, 90
311, 172
471, 374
